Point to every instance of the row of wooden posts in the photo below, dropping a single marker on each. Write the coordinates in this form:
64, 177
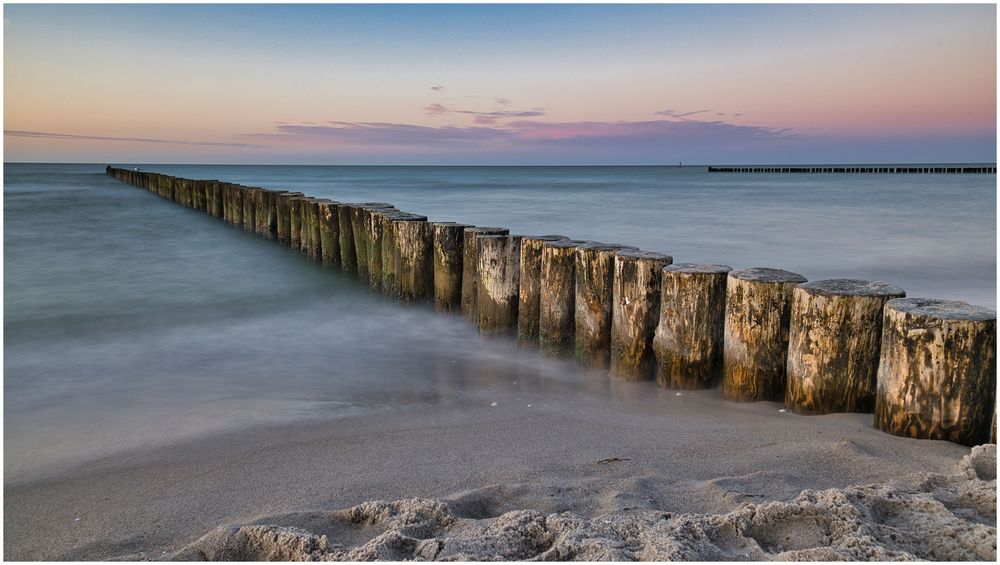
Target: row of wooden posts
925, 367
892, 170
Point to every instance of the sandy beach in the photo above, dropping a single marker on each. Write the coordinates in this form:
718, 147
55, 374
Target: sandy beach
579, 472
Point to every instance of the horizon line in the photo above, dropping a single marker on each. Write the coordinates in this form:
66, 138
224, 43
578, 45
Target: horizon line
675, 166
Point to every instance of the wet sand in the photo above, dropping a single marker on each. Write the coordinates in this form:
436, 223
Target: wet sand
633, 453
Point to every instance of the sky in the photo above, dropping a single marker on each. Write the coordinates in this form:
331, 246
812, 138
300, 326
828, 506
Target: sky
500, 84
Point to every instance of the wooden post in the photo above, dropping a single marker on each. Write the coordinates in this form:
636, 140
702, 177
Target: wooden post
689, 338
311, 221
391, 262
937, 370
636, 308
448, 238
271, 198
305, 227
362, 245
470, 262
833, 345
348, 253
283, 215
595, 275
415, 262
295, 222
529, 287
329, 232
250, 208
557, 298
758, 310
374, 217
497, 283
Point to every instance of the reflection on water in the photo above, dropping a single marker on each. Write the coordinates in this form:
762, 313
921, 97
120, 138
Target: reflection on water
130, 322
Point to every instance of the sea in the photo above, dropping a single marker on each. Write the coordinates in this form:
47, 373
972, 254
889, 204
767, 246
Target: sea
131, 322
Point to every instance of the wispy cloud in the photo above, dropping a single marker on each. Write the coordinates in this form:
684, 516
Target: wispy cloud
77, 137
527, 133
680, 115
484, 118
438, 88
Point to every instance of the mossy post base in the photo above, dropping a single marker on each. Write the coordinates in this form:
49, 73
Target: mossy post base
689, 338
497, 286
529, 287
635, 312
758, 310
557, 298
595, 276
937, 370
833, 345
448, 238
470, 261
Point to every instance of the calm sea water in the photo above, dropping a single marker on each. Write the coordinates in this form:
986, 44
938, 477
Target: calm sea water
130, 321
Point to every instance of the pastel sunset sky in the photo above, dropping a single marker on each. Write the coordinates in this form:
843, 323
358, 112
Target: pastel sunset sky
480, 84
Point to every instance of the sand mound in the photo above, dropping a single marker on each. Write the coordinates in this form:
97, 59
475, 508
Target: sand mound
937, 516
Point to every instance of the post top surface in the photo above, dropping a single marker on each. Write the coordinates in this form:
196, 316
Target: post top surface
487, 230
942, 309
564, 243
600, 246
767, 275
552, 237
852, 287
638, 255
452, 224
697, 268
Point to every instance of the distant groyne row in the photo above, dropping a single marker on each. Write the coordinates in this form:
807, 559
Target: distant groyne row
857, 170
925, 367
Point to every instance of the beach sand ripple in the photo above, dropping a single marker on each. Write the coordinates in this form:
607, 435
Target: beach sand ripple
929, 516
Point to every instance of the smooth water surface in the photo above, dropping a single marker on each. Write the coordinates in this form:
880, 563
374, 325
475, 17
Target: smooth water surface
130, 321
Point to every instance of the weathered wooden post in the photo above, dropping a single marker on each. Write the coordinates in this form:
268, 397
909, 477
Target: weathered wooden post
833, 345
391, 261
313, 246
362, 246
470, 262
283, 215
497, 283
557, 298
348, 253
448, 237
250, 208
635, 310
758, 310
689, 338
415, 262
937, 370
236, 205
529, 287
271, 229
305, 229
295, 222
375, 220
595, 275
329, 232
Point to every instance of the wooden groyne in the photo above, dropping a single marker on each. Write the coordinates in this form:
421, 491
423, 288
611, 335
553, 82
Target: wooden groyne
986, 170
926, 368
